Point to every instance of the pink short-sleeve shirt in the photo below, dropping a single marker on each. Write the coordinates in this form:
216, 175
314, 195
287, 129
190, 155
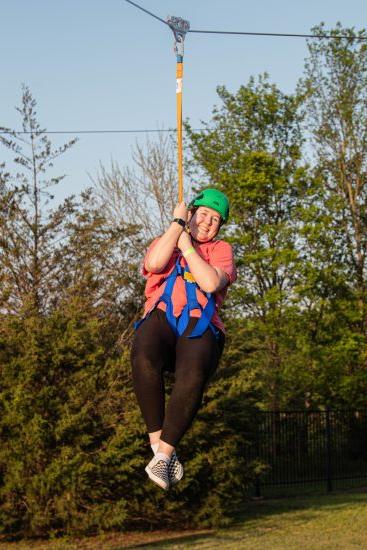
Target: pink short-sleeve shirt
216, 253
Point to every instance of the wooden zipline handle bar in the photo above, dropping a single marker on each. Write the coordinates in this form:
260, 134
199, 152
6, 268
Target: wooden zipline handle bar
179, 76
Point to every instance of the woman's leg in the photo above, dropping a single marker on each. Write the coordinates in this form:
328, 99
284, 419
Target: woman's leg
151, 350
196, 361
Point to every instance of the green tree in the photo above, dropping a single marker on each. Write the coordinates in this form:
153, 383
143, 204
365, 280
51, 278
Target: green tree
252, 150
45, 251
74, 445
65, 319
335, 109
29, 233
334, 86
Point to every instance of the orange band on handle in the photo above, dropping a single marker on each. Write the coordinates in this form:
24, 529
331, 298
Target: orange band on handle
179, 70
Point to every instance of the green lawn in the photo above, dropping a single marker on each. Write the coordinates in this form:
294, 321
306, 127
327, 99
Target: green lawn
335, 521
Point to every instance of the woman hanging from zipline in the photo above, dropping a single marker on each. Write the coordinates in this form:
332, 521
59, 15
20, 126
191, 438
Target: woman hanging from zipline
188, 272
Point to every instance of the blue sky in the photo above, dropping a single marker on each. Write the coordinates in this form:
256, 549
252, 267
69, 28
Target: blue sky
106, 65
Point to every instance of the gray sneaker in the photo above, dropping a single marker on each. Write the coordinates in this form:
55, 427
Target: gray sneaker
158, 471
175, 470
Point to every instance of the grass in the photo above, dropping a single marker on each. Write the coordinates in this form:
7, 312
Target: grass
334, 521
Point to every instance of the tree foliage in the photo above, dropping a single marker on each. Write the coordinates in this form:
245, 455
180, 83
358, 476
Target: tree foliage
335, 112
252, 150
143, 196
294, 168
73, 441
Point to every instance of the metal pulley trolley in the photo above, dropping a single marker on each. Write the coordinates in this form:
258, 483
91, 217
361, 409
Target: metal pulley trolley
179, 28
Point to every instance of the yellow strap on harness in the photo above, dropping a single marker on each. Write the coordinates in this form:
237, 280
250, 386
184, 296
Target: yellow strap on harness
188, 277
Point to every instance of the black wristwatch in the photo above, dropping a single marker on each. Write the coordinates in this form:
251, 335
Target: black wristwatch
180, 221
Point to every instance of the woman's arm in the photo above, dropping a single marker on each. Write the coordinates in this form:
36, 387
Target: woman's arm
209, 278
159, 256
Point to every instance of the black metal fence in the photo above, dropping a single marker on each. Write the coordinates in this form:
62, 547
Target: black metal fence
304, 447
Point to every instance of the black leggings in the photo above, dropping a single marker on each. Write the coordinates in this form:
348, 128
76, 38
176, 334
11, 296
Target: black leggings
156, 349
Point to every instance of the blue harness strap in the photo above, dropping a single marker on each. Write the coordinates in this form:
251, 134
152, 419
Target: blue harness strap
179, 324
166, 298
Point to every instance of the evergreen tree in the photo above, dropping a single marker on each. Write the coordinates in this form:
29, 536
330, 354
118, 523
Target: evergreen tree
74, 445
29, 233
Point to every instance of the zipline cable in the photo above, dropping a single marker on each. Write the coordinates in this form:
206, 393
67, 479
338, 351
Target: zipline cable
146, 11
244, 33
281, 34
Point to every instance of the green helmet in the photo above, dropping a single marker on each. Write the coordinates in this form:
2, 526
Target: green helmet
213, 199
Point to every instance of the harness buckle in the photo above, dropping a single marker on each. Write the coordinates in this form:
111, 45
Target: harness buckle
189, 277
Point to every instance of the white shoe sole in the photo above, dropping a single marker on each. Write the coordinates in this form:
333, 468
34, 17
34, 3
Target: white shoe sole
156, 479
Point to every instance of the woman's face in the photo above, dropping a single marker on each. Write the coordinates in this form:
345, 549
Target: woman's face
204, 224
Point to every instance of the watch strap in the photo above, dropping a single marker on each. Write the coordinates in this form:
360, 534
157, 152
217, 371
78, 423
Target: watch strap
180, 221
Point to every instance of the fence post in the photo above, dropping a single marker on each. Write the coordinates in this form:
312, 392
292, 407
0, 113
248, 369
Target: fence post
329, 472
257, 481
